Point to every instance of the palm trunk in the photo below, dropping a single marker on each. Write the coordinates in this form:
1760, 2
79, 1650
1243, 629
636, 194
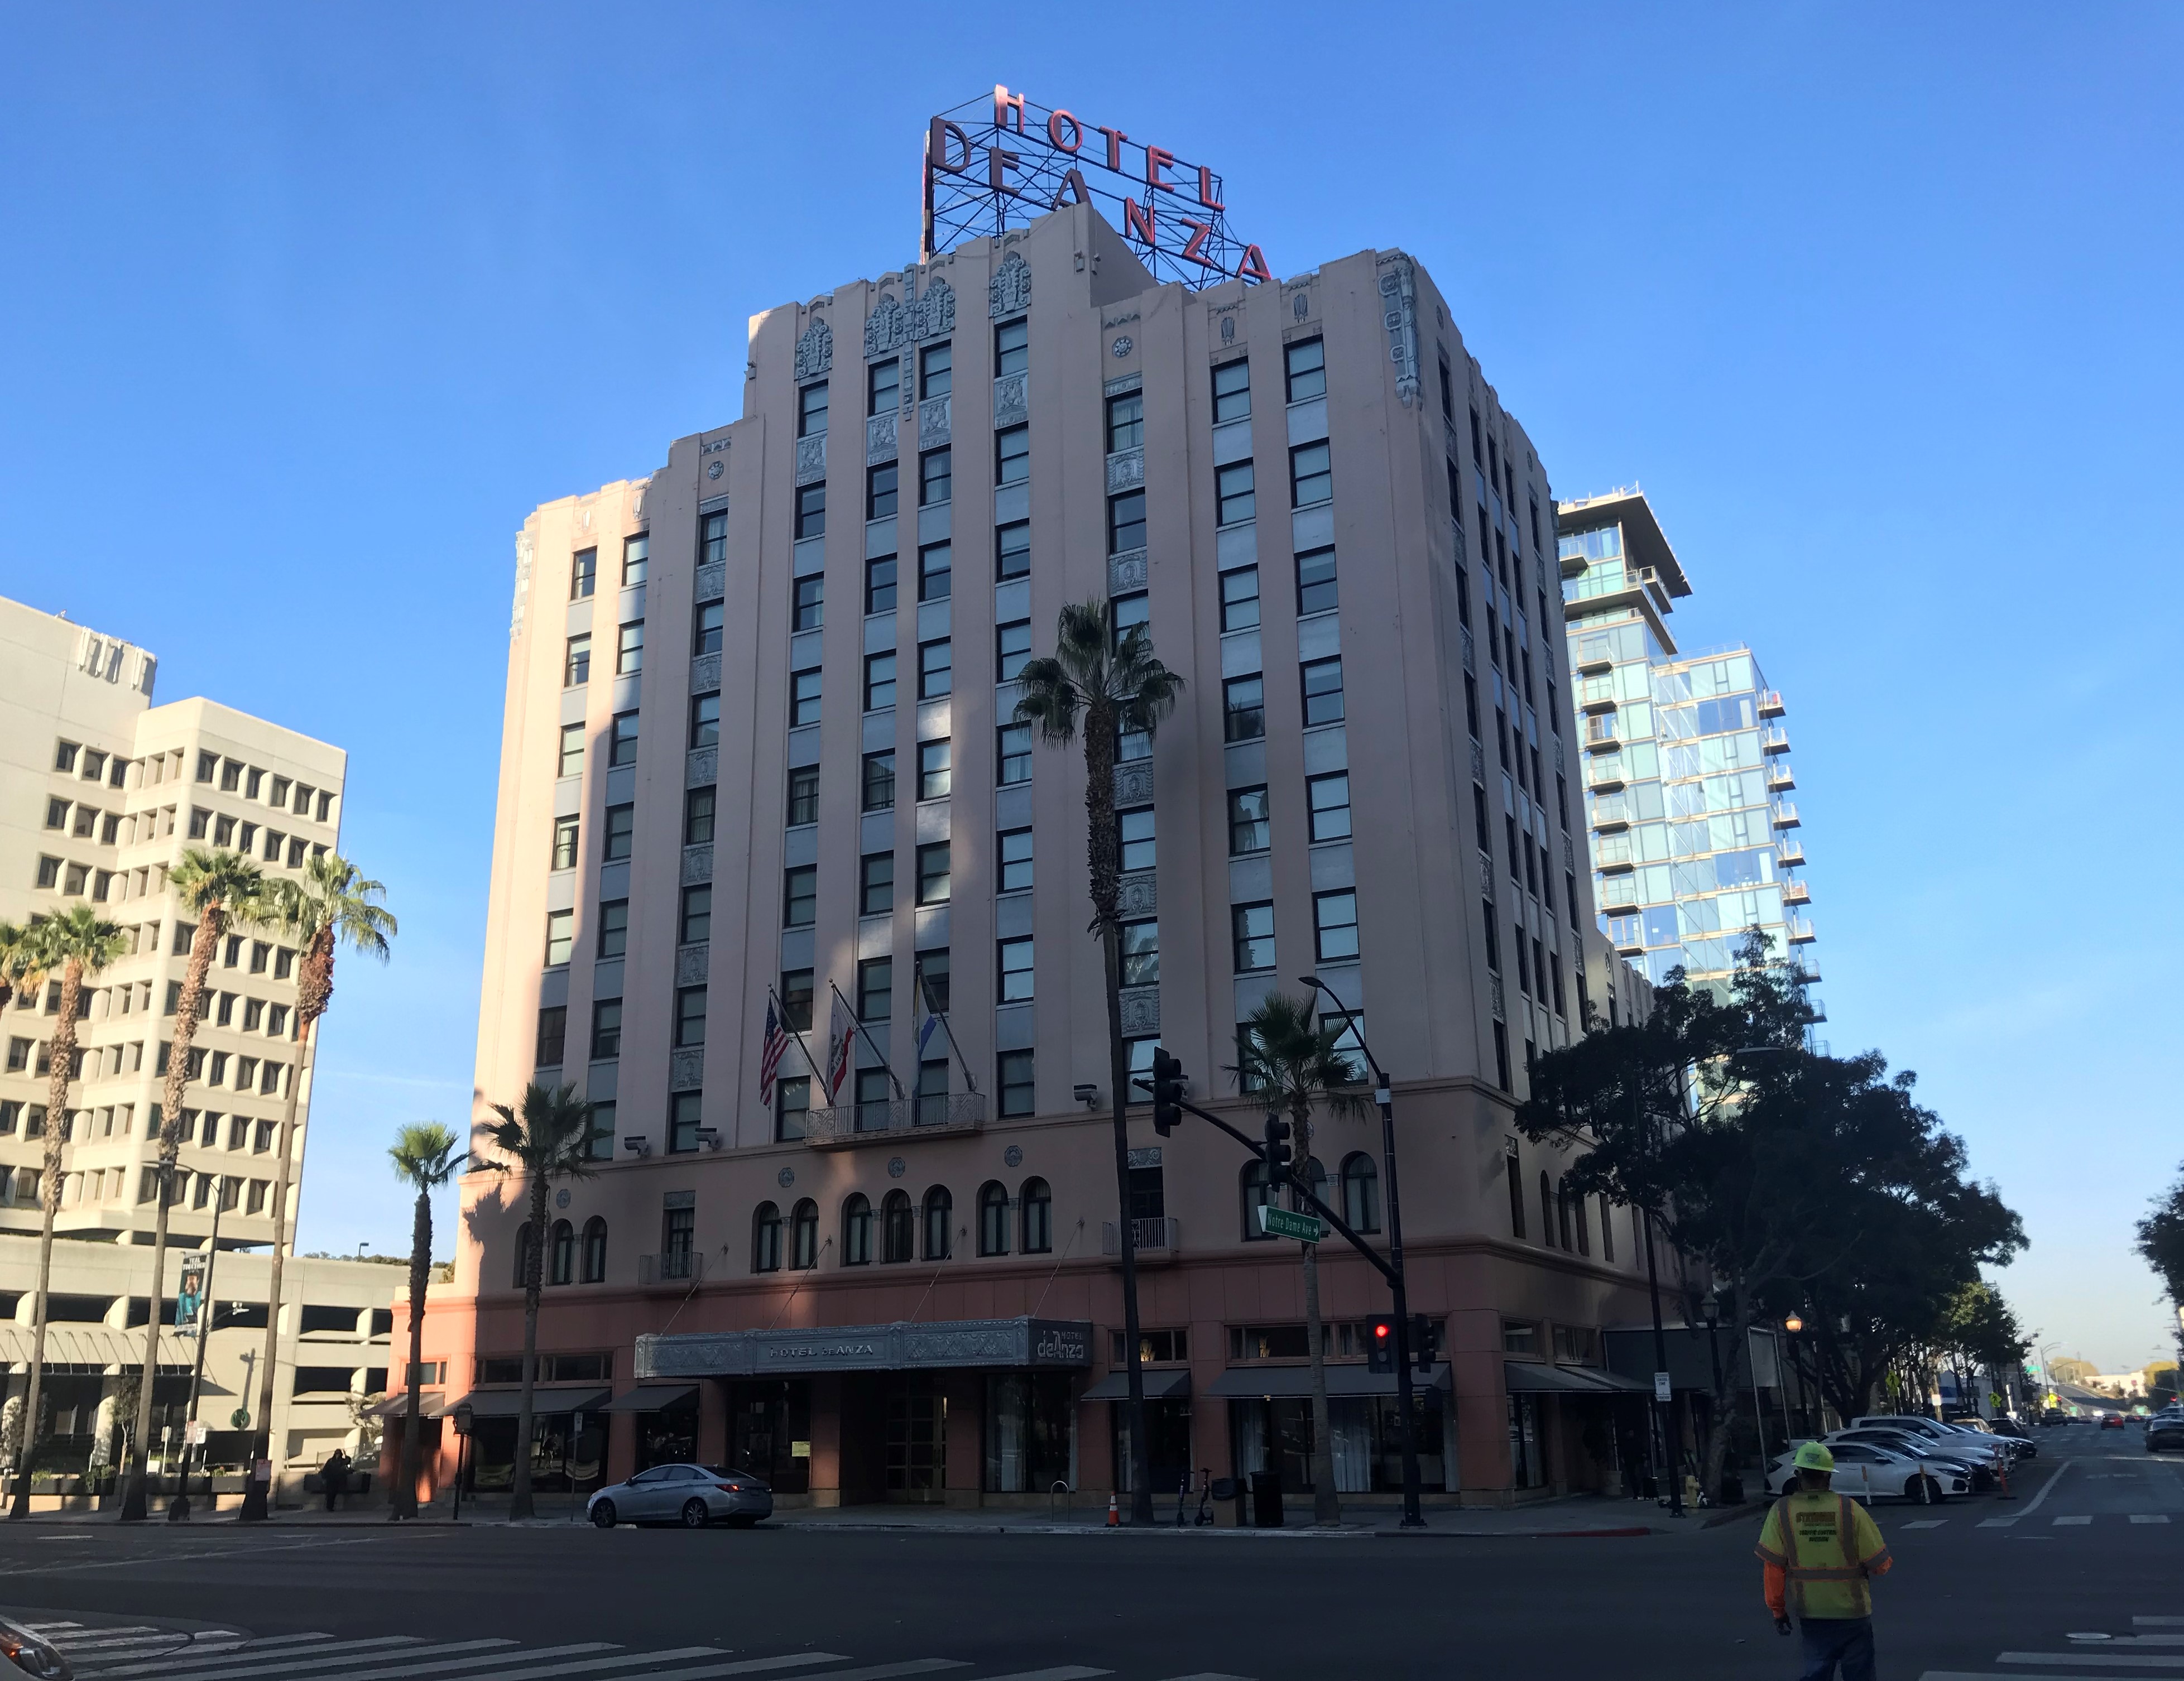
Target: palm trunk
58, 1070
519, 1493
420, 1264
1326, 1504
258, 1496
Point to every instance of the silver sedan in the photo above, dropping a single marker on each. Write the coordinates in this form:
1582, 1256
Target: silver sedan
691, 1495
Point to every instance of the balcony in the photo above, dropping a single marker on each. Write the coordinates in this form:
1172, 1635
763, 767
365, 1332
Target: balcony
1595, 663
1595, 695
1610, 816
1573, 565
1816, 1009
1801, 930
1612, 855
1789, 854
676, 1269
1770, 703
1794, 892
850, 1124
1780, 778
1600, 736
1605, 774
1630, 945
1156, 1239
1775, 739
1804, 970
1785, 814
1618, 894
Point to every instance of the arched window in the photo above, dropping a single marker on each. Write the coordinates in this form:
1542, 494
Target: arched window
804, 1235
856, 1231
595, 1251
1253, 1181
1562, 1213
1361, 1193
765, 1238
1546, 1210
1516, 1196
897, 1227
940, 1217
993, 1218
1607, 1231
1038, 1204
523, 1256
1580, 1217
562, 1254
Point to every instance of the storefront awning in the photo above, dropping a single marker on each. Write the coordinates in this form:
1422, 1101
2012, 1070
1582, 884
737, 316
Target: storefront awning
1244, 1382
1159, 1385
904, 1346
430, 1405
1532, 1377
653, 1398
546, 1398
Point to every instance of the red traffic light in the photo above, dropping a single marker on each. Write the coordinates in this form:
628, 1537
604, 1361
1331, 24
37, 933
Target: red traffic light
1380, 1353
1382, 1328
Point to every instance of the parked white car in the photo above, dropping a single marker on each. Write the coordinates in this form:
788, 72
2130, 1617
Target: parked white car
1869, 1474
693, 1496
1973, 1444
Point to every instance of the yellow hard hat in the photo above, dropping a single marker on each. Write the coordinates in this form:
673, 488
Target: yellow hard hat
1814, 1456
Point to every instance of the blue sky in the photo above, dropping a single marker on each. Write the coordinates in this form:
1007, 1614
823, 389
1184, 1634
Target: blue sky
306, 307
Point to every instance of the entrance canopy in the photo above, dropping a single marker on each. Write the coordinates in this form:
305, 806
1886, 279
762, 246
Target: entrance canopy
430, 1403
1246, 1382
653, 1398
1533, 1377
1159, 1385
545, 1397
902, 1346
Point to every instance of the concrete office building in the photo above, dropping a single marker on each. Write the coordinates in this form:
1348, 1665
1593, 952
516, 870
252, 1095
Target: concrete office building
1687, 778
101, 791
758, 743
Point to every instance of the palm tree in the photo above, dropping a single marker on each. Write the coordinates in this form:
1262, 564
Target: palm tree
1105, 687
425, 1157
331, 906
548, 1138
1293, 1063
78, 943
221, 889
21, 969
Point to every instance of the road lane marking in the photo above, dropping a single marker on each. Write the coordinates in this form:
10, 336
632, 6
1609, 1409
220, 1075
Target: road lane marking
203, 1668
1999, 1675
1998, 1522
2101, 1660
1072, 1671
2045, 1490
251, 1665
1923, 1523
505, 1652
675, 1655
225, 1645
2059, 1522
2149, 1517
880, 1672
2158, 1622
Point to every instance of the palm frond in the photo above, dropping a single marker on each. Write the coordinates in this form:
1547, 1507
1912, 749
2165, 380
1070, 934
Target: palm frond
81, 936
425, 1155
549, 1135
206, 879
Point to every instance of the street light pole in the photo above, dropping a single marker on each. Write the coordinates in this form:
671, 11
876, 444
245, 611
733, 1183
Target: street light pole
1384, 1094
178, 1511
1664, 1412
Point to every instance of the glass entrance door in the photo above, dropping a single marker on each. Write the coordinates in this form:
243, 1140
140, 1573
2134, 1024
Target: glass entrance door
916, 1441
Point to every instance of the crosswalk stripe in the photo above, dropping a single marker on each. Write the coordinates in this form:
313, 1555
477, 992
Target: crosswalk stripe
1995, 1522
1999, 1675
2061, 1523
1208, 1675
1069, 1672
880, 1672
757, 1665
251, 1665
1923, 1523
203, 1653
195, 1666
2098, 1660
592, 1666
2149, 1517
2158, 1622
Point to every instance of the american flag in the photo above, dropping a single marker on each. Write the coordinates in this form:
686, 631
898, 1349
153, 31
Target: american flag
769, 1059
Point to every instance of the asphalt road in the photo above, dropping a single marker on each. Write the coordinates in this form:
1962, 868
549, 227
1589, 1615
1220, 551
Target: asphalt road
1981, 1588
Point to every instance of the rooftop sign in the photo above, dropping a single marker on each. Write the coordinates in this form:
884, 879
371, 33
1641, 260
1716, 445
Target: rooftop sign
990, 168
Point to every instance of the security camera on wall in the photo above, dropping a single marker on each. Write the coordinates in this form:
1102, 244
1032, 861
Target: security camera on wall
638, 1146
709, 1136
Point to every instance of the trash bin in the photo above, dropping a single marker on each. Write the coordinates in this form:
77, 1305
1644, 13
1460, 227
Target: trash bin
1266, 1499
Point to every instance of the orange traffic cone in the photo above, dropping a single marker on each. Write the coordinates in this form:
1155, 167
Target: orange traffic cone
2002, 1475
1114, 1513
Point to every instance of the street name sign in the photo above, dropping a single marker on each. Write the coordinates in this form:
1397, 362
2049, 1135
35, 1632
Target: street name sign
1280, 1222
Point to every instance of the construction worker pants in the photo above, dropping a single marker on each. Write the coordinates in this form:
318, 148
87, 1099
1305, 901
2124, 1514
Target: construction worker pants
1838, 1640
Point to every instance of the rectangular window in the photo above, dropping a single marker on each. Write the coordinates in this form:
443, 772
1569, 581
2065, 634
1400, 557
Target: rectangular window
697, 918
1249, 828
636, 552
713, 539
934, 364
1134, 833
698, 806
810, 607
884, 385
1016, 972
933, 874
876, 884
577, 663
812, 410
1013, 755
936, 670
1329, 798
876, 989
1013, 455
878, 793
620, 832
565, 842
1011, 348
1254, 929
678, 1227
803, 795
621, 740
1240, 599
804, 694
561, 937
935, 759
1232, 392
936, 478
704, 720
1141, 953
1013, 848
936, 565
606, 1029
584, 574
796, 999
931, 976
811, 511
689, 1017
1311, 478
879, 584
880, 490
1244, 709
1125, 421
800, 896
1501, 1056
629, 649
57, 813
614, 928
1011, 649
792, 1099
705, 633
1013, 550
1235, 498
1126, 522
1130, 612
1316, 580
1306, 370
1015, 1079
1323, 691
1335, 925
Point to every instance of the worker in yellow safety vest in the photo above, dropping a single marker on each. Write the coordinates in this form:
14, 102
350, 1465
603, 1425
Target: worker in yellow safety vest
1819, 1549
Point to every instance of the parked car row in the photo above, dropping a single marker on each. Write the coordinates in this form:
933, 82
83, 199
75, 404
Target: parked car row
1904, 1456
2164, 1431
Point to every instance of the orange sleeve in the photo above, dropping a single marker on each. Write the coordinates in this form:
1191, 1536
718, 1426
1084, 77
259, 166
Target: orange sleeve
1776, 1586
1880, 1566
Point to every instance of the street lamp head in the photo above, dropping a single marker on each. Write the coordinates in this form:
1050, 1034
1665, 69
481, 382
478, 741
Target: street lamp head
1793, 1324
1313, 981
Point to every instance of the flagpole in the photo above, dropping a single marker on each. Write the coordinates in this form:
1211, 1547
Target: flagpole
925, 992
781, 1010
857, 1021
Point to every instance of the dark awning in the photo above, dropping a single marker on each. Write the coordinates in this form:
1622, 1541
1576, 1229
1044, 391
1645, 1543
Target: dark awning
1242, 1383
1159, 1385
1533, 1377
544, 1399
430, 1403
652, 1398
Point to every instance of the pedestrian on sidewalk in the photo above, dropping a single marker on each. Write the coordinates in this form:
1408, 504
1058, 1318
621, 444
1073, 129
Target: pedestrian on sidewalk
333, 1477
1819, 1550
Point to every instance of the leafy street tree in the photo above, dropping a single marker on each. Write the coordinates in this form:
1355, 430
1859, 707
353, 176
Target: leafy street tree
221, 889
1977, 1334
1292, 1062
2160, 1239
548, 1138
1105, 687
79, 944
331, 905
425, 1157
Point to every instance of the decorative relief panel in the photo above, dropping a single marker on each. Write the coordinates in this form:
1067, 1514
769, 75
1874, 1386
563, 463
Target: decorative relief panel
691, 962
686, 1070
1126, 471
1126, 572
1477, 764
697, 866
1140, 893
524, 550
1134, 783
936, 311
811, 459
705, 674
1141, 1010
815, 351
1011, 399
1399, 304
702, 765
1569, 857
879, 437
1009, 292
1470, 655
1448, 438
712, 582
888, 328
1494, 985
932, 423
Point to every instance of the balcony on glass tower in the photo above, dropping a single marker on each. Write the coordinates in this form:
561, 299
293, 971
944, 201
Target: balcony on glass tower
1611, 814
1780, 778
1775, 738
1618, 894
1604, 773
1785, 814
1596, 694
1770, 703
1794, 892
1789, 853
1801, 930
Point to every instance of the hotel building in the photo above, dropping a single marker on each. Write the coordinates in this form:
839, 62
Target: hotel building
907, 1288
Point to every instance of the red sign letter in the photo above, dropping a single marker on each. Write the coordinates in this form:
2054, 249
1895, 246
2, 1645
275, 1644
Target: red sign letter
1115, 139
1158, 158
996, 161
1054, 122
1205, 189
1071, 190
1193, 250
936, 147
1137, 222
1253, 266
1004, 102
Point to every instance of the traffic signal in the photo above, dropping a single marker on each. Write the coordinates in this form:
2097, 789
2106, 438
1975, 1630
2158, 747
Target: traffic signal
1276, 1152
1168, 1093
1422, 1342
1381, 1345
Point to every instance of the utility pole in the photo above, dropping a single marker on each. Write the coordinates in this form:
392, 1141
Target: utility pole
1664, 1405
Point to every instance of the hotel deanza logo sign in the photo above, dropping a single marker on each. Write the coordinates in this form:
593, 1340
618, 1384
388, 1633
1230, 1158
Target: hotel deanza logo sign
988, 170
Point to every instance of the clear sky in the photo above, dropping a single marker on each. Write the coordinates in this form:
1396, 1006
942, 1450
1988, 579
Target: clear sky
304, 308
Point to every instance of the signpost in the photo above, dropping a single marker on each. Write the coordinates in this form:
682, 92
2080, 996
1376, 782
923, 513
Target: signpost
1660, 1390
1280, 1222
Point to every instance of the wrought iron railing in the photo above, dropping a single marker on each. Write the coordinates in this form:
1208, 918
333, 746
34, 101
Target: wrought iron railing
858, 1123
1160, 1235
